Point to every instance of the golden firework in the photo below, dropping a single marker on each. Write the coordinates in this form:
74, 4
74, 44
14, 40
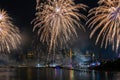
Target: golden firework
9, 34
105, 19
56, 21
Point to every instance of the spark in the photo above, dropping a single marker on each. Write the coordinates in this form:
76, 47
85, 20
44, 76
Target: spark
1, 17
57, 9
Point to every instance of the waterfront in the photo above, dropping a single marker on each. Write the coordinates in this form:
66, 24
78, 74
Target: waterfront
28, 73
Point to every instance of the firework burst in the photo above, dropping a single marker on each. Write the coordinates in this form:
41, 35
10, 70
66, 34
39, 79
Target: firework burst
9, 34
106, 18
56, 21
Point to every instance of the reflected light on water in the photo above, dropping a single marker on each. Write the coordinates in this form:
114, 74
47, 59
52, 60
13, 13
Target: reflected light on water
55, 74
106, 75
29, 73
93, 74
58, 74
6, 73
38, 74
117, 76
71, 74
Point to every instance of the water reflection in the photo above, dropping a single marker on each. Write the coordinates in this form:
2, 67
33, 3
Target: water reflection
117, 76
55, 74
71, 75
38, 72
93, 75
58, 74
7, 74
106, 75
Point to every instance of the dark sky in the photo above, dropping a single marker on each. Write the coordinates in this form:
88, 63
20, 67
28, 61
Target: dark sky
22, 12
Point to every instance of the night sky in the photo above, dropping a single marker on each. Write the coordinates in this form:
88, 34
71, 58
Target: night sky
22, 12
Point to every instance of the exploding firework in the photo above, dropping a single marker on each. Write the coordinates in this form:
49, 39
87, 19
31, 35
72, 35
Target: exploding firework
106, 19
56, 21
9, 34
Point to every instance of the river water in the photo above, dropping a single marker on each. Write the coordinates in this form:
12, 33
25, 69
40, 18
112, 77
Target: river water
56, 74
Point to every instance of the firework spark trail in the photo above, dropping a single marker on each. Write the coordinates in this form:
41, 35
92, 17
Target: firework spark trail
106, 18
56, 21
9, 34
